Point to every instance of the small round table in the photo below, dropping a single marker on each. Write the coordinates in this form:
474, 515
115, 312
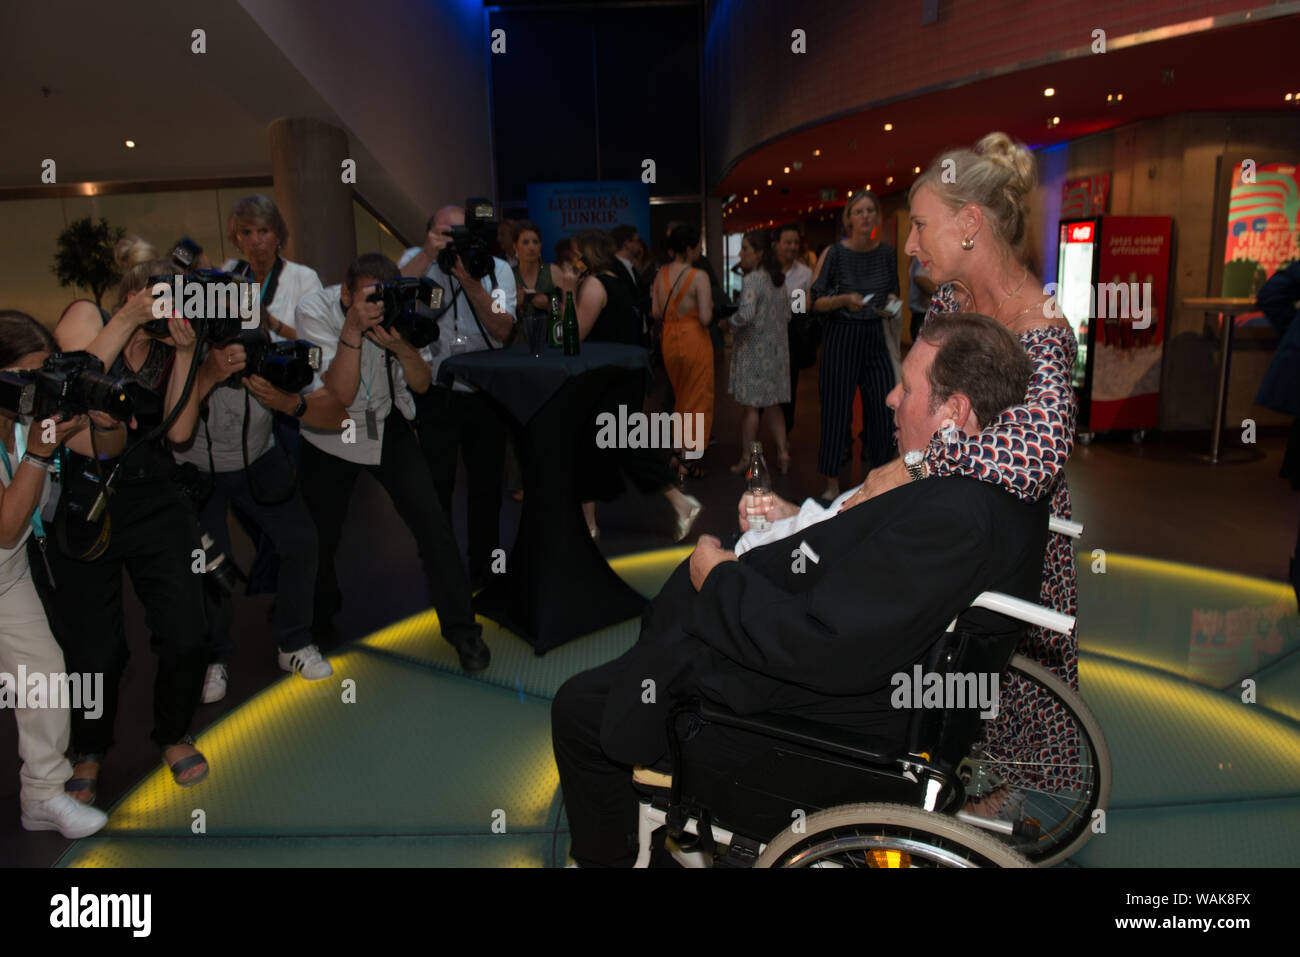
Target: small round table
556, 585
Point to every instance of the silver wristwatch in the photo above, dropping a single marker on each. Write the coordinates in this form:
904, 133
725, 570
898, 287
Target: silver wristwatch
914, 461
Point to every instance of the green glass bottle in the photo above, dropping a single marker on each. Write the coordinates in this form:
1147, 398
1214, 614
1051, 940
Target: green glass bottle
555, 326
572, 346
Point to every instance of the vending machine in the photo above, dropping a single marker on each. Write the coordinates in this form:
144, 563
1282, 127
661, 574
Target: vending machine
1112, 285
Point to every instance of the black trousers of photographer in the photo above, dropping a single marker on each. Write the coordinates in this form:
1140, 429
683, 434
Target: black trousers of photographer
464, 422
327, 482
153, 537
289, 526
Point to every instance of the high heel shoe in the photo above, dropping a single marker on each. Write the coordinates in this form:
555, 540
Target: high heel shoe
684, 524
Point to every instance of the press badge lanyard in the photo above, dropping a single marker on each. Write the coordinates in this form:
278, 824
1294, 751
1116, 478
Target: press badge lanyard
372, 420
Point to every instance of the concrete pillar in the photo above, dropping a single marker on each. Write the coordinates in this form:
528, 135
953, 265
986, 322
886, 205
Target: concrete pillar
307, 165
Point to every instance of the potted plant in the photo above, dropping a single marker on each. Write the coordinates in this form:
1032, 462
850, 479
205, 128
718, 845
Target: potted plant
85, 256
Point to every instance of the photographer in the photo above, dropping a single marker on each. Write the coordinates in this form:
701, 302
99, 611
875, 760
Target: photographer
238, 461
146, 528
459, 419
25, 638
368, 368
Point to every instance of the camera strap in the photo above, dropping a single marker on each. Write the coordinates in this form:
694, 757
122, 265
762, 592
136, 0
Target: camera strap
459, 289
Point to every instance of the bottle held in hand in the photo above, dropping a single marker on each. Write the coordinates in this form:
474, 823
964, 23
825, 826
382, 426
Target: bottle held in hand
759, 483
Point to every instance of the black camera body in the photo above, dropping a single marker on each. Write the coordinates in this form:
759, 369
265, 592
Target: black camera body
473, 241
66, 384
289, 366
215, 303
411, 307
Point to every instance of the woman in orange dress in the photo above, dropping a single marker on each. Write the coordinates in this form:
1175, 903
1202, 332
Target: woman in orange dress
683, 301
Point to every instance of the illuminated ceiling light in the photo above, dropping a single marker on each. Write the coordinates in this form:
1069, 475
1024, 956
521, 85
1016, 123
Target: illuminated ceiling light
769, 182
868, 187
817, 152
1050, 91
1056, 121
888, 127
786, 170
130, 144
888, 180
1288, 97
916, 169
850, 194
755, 192
1119, 97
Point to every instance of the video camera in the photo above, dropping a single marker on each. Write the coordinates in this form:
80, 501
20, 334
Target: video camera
412, 307
473, 241
216, 303
66, 384
289, 366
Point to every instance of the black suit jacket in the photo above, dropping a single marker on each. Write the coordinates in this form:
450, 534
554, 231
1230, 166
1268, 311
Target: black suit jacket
823, 642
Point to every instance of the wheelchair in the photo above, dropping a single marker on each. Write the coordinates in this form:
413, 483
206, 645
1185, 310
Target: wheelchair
824, 796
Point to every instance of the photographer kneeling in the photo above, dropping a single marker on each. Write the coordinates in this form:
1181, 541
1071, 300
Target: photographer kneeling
358, 347
25, 638
125, 512
238, 461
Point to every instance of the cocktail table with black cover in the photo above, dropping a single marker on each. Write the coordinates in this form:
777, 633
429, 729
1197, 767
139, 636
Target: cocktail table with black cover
557, 585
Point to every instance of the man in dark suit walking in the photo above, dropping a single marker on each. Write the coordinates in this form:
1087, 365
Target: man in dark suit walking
818, 638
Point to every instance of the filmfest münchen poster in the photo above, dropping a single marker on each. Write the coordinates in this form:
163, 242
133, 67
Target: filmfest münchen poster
1263, 226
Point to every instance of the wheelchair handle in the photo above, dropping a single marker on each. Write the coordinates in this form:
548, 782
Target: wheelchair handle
1022, 610
1063, 526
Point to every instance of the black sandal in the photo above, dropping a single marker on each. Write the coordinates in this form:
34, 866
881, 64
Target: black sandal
73, 785
184, 764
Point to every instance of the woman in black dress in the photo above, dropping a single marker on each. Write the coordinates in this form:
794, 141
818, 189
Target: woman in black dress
607, 312
855, 355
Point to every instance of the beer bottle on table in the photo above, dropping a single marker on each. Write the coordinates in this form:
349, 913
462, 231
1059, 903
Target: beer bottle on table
572, 345
759, 482
555, 326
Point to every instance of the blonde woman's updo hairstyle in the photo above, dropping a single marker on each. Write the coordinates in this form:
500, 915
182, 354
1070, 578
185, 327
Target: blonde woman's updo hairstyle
132, 250
137, 277
998, 175
256, 210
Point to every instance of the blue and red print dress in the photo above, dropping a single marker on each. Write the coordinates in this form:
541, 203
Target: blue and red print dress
1024, 450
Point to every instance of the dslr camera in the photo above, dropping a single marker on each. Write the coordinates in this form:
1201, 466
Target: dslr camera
215, 302
412, 307
473, 241
66, 384
289, 366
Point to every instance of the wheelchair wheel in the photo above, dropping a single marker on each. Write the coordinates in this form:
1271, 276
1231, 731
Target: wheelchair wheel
885, 835
1058, 774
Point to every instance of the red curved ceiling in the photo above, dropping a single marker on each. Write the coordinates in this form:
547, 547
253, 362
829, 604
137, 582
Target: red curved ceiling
1247, 67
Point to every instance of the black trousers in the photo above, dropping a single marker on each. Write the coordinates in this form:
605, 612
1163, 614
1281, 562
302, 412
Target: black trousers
855, 358
787, 408
464, 422
327, 482
288, 525
154, 536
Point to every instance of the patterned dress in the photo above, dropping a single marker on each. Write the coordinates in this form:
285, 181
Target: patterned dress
760, 354
1024, 450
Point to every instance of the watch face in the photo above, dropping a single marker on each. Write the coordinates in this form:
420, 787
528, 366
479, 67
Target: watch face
913, 458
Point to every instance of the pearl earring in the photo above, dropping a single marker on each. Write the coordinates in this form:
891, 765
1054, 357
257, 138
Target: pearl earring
968, 243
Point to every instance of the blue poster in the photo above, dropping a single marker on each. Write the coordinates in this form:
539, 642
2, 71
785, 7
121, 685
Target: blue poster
563, 210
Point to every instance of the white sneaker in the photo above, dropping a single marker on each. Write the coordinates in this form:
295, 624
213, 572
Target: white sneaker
64, 814
306, 662
214, 684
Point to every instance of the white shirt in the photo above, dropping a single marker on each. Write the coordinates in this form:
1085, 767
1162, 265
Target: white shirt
225, 423
296, 281
631, 270
459, 318
319, 319
13, 561
798, 276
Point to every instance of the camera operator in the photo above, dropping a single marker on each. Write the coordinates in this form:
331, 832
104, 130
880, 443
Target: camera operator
234, 448
459, 419
373, 371
146, 528
25, 638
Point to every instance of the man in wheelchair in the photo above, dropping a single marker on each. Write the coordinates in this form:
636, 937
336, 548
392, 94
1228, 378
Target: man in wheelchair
814, 625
